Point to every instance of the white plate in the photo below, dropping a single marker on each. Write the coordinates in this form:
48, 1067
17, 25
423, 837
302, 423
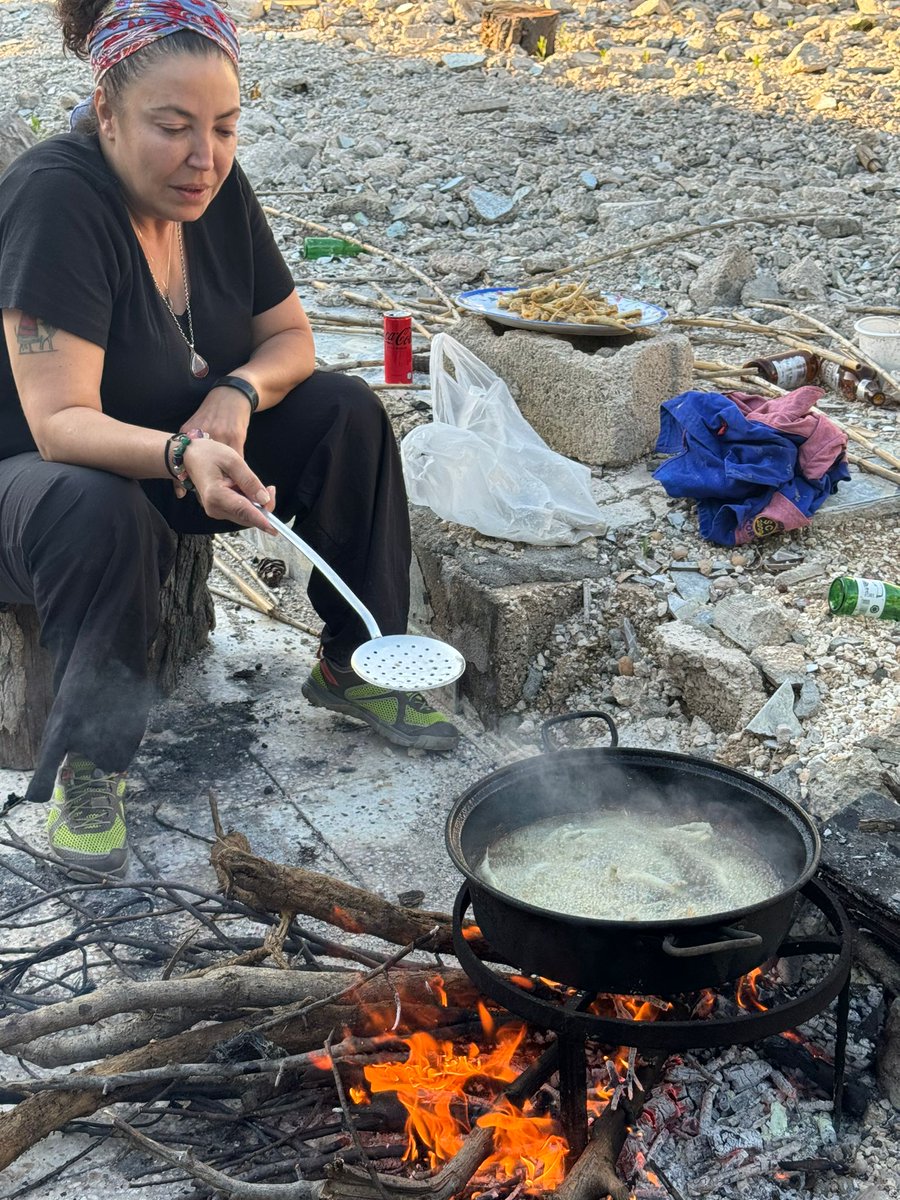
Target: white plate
485, 302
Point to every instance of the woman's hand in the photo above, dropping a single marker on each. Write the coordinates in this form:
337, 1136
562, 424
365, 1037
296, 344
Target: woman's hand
224, 415
226, 487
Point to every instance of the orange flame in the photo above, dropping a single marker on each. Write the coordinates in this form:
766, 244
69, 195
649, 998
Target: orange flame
747, 994
525, 1144
431, 1084
488, 1024
436, 986
635, 1008
321, 1061
359, 1095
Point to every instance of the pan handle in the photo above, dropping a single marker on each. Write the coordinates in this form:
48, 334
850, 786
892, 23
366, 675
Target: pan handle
550, 742
736, 939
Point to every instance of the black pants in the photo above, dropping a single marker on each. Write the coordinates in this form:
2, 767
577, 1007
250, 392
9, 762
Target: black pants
90, 550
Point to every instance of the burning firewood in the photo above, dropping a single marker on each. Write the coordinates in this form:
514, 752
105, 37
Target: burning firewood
594, 1176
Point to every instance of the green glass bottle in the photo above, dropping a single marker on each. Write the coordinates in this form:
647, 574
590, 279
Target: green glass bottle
854, 597
329, 247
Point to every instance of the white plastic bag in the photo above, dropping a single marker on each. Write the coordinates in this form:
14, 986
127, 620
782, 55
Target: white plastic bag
480, 463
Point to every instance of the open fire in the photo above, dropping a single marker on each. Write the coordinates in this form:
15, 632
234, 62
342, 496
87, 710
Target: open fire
447, 1089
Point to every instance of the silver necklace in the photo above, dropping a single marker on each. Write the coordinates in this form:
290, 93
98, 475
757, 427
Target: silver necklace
199, 365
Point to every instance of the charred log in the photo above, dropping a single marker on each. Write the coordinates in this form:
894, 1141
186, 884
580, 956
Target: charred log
788, 1055
278, 888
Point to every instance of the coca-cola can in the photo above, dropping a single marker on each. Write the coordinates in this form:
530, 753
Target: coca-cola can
397, 347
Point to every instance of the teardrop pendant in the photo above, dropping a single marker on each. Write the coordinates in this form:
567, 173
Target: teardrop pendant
199, 365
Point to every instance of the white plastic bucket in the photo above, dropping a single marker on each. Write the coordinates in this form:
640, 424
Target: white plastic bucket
879, 337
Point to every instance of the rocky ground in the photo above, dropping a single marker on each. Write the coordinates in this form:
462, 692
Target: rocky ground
388, 121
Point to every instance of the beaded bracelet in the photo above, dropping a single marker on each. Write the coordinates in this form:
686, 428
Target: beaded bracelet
174, 453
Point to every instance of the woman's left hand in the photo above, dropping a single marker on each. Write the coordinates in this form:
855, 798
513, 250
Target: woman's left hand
224, 415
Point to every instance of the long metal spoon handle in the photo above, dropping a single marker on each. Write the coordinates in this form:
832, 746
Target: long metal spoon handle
330, 574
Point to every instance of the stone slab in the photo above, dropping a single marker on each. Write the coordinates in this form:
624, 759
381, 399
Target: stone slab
863, 497
588, 398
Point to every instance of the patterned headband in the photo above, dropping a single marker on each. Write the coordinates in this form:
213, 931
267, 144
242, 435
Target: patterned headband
127, 26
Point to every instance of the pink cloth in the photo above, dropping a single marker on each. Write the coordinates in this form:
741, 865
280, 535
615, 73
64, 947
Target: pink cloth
796, 413
778, 516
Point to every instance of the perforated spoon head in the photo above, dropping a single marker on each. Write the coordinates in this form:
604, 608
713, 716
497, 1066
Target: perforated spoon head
405, 663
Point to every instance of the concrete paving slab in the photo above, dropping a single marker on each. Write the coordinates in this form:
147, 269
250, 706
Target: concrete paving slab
306, 785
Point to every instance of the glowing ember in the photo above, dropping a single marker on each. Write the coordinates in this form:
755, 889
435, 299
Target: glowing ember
321, 1061
791, 1035
344, 920
471, 932
431, 1087
705, 1004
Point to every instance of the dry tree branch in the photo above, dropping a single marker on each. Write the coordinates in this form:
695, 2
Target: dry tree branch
227, 989
873, 468
350, 1183
838, 337
594, 1175
351, 1124
682, 234
276, 887
37, 1116
208, 1072
235, 1189
369, 249
773, 333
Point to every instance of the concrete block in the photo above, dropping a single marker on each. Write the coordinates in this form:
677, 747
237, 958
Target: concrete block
591, 400
750, 621
719, 683
781, 664
498, 611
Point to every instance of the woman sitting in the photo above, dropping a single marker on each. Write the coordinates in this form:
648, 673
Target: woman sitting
158, 375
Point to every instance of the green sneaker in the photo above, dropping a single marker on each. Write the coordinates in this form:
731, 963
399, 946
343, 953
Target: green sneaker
404, 718
86, 821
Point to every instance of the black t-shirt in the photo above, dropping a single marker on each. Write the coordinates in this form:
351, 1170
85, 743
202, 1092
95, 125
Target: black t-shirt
69, 256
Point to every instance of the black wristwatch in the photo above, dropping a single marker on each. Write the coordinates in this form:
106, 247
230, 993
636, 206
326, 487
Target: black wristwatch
235, 381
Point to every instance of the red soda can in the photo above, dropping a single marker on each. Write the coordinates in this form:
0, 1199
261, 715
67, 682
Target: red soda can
397, 347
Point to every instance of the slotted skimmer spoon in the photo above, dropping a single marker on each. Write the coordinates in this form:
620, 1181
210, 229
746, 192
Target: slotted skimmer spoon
400, 662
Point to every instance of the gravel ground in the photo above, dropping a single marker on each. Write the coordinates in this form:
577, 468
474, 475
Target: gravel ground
485, 169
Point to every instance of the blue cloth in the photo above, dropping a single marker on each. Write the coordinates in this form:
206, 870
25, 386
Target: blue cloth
735, 467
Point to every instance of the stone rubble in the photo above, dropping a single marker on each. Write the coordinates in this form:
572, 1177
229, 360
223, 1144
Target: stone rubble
390, 122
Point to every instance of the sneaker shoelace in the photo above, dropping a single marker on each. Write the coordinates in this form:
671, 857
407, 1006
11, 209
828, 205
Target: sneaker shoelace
88, 809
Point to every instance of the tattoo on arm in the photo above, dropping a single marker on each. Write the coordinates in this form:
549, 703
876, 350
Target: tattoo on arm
34, 335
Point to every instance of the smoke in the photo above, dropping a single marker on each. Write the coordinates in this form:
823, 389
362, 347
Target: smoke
648, 789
